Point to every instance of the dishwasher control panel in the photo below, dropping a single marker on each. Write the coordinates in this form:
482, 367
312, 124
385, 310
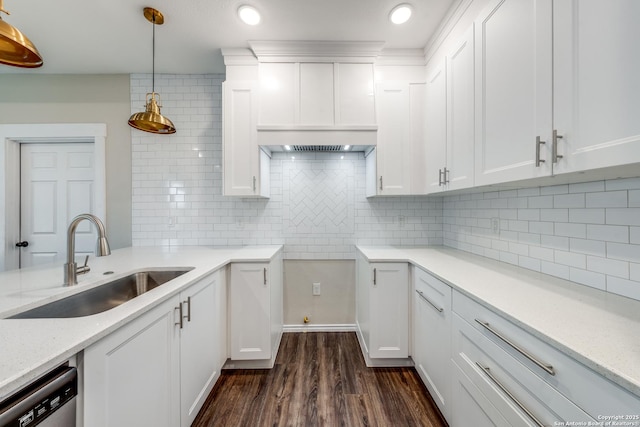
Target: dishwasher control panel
32, 405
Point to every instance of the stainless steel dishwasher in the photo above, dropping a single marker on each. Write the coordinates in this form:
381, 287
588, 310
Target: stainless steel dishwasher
49, 401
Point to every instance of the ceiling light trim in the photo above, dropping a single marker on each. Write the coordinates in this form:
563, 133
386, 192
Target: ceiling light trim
249, 15
401, 13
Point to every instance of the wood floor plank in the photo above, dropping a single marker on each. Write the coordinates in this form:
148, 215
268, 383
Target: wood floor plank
319, 379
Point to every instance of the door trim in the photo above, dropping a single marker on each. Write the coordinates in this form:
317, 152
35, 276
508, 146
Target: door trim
11, 136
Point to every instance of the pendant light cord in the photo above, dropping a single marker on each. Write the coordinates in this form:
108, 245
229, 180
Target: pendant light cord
153, 55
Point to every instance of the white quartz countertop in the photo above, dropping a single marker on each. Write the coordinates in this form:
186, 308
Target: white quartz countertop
599, 329
31, 347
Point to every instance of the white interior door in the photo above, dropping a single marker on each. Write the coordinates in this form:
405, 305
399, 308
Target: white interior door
56, 184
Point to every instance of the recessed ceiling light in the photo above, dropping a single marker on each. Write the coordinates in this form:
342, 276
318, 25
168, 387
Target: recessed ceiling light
249, 15
400, 14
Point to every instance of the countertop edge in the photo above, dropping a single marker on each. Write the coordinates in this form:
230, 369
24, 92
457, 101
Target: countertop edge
403, 255
11, 384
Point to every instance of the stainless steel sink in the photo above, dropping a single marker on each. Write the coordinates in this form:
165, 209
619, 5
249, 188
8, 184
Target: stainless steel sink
103, 297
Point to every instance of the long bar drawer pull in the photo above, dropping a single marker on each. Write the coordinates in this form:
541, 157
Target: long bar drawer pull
439, 309
511, 396
544, 366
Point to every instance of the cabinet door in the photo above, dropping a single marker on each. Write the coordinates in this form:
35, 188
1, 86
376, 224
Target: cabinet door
460, 114
199, 366
596, 85
316, 94
240, 138
250, 312
432, 336
355, 104
393, 148
132, 376
279, 95
436, 127
389, 303
513, 90
419, 151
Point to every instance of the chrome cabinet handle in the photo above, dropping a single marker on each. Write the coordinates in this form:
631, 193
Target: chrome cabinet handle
188, 302
446, 176
438, 309
380, 182
538, 159
179, 308
544, 366
554, 147
439, 177
254, 184
375, 276
511, 396
265, 275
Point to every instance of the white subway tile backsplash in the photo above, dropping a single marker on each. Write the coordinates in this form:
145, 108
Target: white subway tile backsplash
610, 267
569, 201
587, 216
585, 232
607, 199
623, 251
623, 216
609, 233
314, 205
588, 278
627, 288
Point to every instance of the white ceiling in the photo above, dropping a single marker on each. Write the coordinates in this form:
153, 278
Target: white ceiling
112, 37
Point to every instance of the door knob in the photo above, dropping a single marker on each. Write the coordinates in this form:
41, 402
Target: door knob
22, 244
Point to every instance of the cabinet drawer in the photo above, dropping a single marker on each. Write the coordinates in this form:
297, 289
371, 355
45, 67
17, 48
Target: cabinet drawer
595, 394
436, 293
510, 386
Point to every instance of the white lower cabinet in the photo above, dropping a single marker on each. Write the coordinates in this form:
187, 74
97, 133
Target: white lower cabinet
524, 378
382, 313
432, 336
255, 301
158, 369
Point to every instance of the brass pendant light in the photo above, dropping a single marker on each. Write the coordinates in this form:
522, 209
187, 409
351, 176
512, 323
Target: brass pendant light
15, 48
151, 120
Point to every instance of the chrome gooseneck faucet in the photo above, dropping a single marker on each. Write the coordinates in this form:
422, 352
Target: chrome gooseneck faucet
71, 270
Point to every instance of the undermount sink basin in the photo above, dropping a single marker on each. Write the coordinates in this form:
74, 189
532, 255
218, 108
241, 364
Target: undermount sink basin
103, 297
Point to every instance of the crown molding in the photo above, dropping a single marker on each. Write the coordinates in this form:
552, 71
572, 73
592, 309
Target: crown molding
316, 51
238, 56
401, 57
445, 28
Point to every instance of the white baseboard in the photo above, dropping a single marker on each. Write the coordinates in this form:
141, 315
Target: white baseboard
347, 327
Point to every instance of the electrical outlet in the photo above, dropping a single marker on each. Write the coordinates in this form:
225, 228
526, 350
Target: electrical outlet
495, 225
316, 288
402, 221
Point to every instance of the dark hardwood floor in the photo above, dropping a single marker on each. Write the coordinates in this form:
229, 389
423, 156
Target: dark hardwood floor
319, 379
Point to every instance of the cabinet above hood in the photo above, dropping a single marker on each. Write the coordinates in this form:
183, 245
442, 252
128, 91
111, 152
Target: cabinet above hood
310, 93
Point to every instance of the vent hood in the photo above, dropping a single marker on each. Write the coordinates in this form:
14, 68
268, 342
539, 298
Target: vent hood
319, 148
311, 93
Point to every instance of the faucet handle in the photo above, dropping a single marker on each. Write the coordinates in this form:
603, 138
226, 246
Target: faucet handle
85, 268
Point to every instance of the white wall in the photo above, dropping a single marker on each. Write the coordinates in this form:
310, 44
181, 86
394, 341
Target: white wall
317, 207
588, 233
43, 99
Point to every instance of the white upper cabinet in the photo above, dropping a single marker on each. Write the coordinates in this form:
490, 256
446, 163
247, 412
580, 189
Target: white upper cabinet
242, 156
355, 99
460, 114
596, 84
450, 119
513, 90
393, 150
320, 95
436, 127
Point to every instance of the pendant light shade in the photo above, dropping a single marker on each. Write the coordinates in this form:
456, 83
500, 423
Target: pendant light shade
15, 48
151, 120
